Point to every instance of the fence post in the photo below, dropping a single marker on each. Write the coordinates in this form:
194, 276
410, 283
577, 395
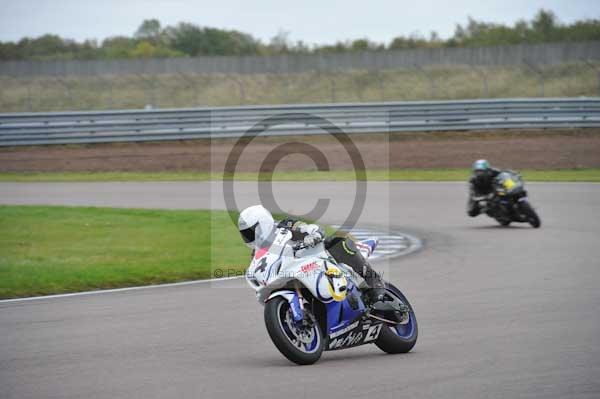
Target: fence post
286, 87
68, 93
483, 76
241, 88
332, 87
2, 109
430, 80
149, 83
379, 77
108, 83
358, 85
540, 74
29, 100
281, 77
190, 83
595, 69
174, 96
2, 94
29, 95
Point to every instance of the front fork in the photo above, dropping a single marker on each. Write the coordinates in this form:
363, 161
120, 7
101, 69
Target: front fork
295, 300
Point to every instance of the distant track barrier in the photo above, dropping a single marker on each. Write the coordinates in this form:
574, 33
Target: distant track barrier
226, 122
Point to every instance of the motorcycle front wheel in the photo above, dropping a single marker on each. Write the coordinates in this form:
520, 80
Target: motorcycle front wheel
503, 222
302, 343
529, 212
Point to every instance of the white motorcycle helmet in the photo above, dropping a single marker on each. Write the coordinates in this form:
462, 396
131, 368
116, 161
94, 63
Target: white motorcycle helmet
255, 224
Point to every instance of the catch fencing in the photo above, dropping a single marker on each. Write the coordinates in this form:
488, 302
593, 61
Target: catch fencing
496, 56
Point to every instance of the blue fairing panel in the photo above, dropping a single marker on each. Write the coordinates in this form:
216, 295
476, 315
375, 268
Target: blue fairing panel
341, 314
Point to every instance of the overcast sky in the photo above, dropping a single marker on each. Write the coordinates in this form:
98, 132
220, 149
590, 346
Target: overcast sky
313, 21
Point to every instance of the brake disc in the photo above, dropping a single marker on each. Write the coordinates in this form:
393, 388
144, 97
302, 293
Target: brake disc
304, 333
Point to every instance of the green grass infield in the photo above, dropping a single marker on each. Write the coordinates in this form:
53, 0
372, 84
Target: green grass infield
51, 250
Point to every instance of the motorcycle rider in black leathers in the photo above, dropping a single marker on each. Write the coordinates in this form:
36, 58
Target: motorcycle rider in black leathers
481, 184
256, 221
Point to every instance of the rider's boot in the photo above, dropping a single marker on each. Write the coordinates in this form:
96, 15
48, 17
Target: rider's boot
472, 208
381, 305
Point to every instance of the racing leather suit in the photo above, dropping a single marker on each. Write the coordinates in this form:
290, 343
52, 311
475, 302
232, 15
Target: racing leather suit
480, 185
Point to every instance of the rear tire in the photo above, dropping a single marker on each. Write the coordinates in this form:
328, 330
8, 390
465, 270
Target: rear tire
275, 311
529, 212
390, 340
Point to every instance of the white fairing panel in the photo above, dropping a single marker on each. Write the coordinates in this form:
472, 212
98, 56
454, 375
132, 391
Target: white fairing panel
277, 266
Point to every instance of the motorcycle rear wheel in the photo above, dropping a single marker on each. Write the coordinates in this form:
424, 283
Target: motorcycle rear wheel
398, 338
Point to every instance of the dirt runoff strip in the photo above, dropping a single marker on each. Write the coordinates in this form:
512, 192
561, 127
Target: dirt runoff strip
522, 149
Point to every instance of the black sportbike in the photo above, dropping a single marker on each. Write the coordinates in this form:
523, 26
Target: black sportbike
508, 203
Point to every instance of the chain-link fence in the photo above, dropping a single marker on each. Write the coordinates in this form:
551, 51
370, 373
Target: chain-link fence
494, 56
548, 70
197, 90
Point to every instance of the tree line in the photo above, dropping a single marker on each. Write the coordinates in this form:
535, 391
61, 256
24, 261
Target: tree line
152, 40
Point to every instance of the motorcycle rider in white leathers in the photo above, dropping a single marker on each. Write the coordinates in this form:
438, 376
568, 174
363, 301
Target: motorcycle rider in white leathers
256, 225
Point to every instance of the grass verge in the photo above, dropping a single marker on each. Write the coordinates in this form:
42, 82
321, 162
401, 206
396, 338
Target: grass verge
560, 175
52, 249
191, 90
49, 250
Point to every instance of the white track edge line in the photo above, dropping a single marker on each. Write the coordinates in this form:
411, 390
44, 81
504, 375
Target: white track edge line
113, 290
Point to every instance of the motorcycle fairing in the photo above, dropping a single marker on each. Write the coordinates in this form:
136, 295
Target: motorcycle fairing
346, 327
332, 284
360, 332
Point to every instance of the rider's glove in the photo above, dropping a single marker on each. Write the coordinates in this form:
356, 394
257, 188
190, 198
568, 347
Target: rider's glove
309, 229
312, 239
314, 234
286, 224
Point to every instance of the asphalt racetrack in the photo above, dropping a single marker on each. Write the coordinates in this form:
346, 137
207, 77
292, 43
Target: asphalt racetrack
503, 312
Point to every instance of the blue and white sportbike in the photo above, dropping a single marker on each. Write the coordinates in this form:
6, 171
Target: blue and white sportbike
312, 303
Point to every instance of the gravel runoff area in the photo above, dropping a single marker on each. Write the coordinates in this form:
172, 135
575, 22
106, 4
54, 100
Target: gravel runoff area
545, 149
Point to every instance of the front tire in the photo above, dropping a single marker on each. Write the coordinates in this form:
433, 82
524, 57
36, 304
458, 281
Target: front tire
398, 338
286, 336
529, 212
